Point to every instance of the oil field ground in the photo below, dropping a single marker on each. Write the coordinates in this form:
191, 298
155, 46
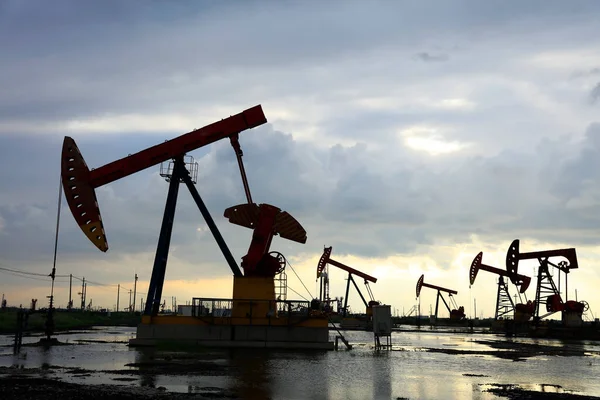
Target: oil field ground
431, 364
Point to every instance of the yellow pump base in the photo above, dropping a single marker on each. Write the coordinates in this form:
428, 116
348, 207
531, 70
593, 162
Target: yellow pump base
252, 318
253, 296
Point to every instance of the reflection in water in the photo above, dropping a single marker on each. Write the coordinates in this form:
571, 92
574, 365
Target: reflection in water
302, 375
253, 378
319, 385
46, 360
361, 373
382, 381
147, 373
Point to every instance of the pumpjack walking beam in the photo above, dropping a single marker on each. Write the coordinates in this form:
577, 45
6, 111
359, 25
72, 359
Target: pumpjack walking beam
422, 284
504, 303
326, 259
547, 289
79, 183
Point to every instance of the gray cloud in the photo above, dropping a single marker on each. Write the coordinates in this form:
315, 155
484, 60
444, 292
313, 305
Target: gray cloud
427, 57
76, 57
343, 94
595, 93
343, 196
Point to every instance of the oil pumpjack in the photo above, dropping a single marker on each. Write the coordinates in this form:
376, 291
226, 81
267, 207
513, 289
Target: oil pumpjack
323, 275
522, 312
254, 317
548, 292
456, 314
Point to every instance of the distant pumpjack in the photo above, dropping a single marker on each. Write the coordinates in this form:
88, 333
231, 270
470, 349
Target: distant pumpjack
458, 313
547, 292
324, 291
504, 302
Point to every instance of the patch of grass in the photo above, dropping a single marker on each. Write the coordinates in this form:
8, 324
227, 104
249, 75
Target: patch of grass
66, 320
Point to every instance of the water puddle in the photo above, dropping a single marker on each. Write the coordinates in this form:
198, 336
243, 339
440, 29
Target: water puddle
428, 364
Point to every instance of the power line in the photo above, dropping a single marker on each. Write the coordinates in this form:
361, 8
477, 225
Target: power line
31, 273
30, 277
100, 284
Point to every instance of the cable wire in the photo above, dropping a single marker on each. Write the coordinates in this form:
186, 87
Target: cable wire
298, 293
31, 273
294, 271
47, 279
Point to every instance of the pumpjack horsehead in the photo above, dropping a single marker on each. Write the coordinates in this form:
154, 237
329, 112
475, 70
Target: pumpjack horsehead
457, 313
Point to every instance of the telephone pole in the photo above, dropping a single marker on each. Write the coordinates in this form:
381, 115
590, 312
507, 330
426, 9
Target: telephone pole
118, 293
70, 289
130, 306
134, 286
82, 293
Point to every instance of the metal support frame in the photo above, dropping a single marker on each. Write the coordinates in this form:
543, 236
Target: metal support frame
437, 303
213, 227
358, 290
281, 286
351, 279
385, 345
179, 174
324, 285
347, 293
545, 288
504, 303
164, 241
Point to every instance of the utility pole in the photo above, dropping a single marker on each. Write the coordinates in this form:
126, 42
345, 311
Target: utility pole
82, 293
134, 286
70, 289
130, 306
118, 292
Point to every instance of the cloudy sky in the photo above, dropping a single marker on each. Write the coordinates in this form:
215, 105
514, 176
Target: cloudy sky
409, 136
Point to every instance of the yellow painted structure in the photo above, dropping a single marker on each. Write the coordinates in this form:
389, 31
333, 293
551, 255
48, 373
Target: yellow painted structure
253, 297
254, 304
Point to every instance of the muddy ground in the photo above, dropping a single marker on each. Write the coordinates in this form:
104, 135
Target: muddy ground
29, 384
516, 393
49, 381
508, 350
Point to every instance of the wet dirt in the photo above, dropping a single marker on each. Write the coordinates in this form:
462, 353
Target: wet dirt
26, 388
422, 365
515, 351
514, 392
